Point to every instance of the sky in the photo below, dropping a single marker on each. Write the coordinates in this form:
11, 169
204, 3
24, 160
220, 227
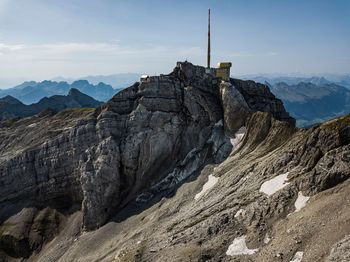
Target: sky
43, 39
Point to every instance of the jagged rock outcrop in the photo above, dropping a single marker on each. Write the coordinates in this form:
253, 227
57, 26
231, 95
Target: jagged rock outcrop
260, 98
140, 160
235, 108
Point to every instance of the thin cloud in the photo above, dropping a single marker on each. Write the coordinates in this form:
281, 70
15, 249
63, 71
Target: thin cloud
9, 48
248, 54
80, 58
65, 48
95, 47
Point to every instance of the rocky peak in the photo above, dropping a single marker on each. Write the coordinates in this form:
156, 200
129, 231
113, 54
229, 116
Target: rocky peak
10, 100
154, 124
80, 83
140, 146
74, 92
259, 98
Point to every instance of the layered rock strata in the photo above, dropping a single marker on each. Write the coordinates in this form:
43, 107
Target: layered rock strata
137, 148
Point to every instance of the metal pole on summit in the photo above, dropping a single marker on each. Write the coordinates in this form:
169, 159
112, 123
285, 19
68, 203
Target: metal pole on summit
208, 55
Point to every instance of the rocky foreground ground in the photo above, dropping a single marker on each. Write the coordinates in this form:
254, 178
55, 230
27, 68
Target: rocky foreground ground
181, 167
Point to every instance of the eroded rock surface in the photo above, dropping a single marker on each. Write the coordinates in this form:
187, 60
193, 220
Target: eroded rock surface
138, 162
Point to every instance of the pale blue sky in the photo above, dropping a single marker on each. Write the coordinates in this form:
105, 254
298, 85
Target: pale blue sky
41, 39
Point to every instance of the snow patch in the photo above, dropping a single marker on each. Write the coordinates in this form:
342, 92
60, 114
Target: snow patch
212, 180
219, 123
273, 185
239, 247
300, 202
239, 213
297, 257
33, 125
238, 137
267, 238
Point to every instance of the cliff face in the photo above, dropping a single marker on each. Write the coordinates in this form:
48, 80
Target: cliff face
83, 168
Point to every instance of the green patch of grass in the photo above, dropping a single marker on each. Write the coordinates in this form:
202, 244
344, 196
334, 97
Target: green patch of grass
75, 112
79, 110
338, 123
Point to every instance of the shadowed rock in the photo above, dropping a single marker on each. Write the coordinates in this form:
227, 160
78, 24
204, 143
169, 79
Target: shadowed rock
148, 140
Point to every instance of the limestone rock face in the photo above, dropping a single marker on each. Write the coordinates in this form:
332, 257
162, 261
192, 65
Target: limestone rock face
236, 109
260, 98
129, 172
234, 219
140, 146
100, 182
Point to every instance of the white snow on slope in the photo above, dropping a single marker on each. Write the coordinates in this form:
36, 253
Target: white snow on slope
238, 137
273, 185
212, 180
239, 247
298, 257
240, 213
300, 202
267, 238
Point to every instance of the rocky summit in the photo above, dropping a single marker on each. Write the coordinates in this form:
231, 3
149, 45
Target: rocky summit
178, 167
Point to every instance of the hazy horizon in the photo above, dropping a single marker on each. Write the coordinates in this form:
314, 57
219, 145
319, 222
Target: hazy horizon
74, 39
9, 83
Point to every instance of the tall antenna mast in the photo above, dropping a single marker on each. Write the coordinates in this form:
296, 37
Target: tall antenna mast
208, 55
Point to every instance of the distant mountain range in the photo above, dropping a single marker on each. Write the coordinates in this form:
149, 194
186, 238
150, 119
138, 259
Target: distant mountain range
313, 102
31, 92
309, 99
11, 107
342, 80
117, 81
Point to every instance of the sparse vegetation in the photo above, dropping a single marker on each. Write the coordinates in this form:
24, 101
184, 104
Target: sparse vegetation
9, 122
74, 112
338, 123
79, 110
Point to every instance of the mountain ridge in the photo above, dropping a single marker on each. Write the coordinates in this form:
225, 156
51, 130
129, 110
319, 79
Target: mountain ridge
172, 169
342, 80
11, 107
310, 103
31, 91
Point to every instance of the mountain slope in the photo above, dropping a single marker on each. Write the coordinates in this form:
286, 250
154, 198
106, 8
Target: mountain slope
310, 103
182, 228
342, 80
32, 92
11, 107
134, 175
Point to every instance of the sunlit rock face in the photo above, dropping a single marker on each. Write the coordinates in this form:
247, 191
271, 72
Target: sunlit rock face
180, 167
142, 144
